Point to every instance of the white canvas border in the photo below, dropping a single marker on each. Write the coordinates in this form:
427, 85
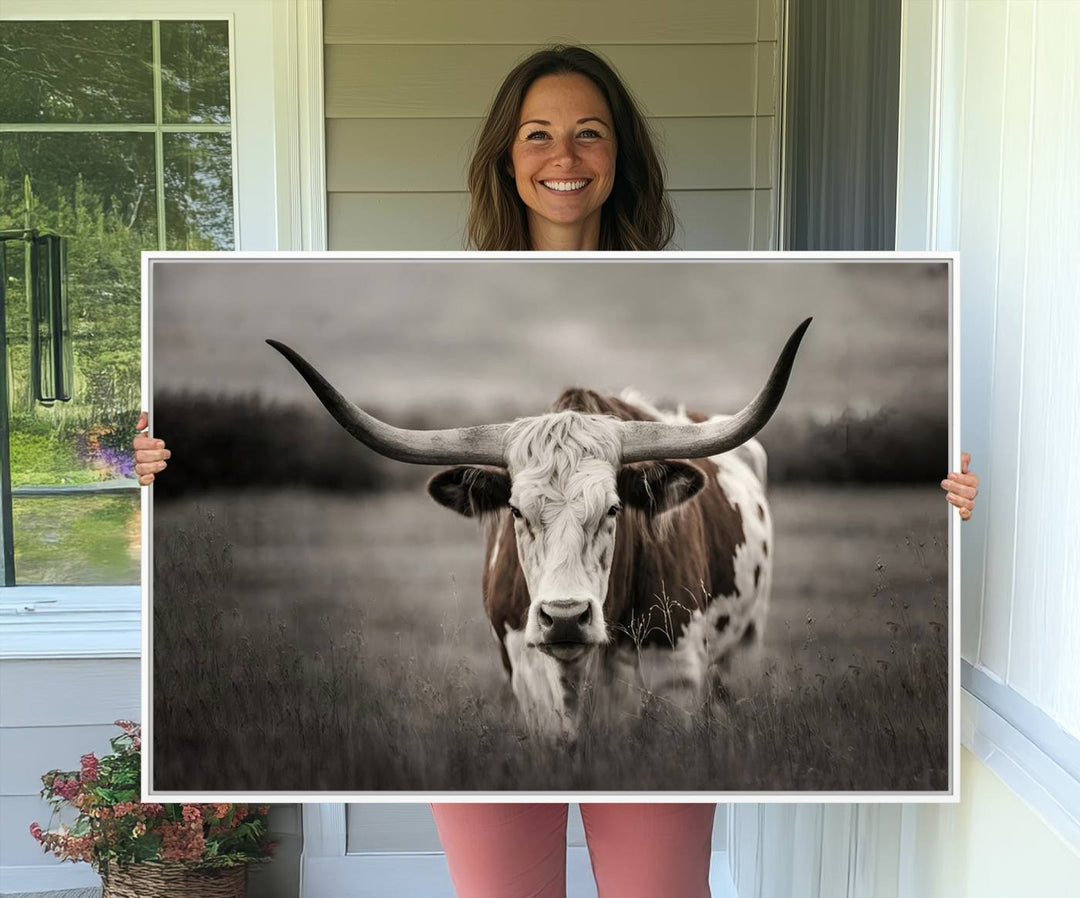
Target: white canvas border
952, 795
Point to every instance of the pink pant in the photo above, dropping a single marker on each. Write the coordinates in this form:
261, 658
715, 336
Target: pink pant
519, 850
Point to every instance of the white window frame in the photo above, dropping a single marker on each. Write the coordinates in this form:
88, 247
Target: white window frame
276, 88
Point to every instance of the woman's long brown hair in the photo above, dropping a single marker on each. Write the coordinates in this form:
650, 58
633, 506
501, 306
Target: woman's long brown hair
637, 214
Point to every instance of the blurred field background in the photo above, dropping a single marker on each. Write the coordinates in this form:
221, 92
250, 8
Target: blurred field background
317, 619
271, 674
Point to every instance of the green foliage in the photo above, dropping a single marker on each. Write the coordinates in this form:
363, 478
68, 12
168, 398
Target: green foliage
87, 539
99, 190
114, 828
40, 458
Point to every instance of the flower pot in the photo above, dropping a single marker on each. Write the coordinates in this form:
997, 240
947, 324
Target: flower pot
172, 880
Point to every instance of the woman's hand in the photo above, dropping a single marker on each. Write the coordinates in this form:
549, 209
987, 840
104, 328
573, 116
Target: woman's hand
150, 454
961, 489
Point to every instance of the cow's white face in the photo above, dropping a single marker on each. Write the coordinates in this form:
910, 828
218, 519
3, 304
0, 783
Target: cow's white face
565, 530
566, 489
565, 503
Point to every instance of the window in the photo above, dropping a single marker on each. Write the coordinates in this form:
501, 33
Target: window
280, 204
116, 135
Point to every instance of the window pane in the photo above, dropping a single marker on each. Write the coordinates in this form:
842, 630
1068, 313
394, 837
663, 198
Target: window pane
77, 540
76, 72
98, 191
198, 192
81, 183
195, 71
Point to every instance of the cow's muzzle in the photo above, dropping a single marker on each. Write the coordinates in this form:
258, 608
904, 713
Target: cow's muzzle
566, 628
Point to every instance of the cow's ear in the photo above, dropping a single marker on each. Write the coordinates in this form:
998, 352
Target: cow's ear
657, 486
470, 490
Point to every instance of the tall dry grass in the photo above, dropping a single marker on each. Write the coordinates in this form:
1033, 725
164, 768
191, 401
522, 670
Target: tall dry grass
238, 706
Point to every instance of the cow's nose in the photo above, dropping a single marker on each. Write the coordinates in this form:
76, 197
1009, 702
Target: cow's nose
564, 620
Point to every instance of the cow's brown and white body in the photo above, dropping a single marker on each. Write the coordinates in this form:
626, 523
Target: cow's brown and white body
630, 549
685, 589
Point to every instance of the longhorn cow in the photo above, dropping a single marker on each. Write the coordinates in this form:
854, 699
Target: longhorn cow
629, 549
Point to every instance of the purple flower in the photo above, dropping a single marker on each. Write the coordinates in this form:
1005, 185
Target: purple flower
119, 462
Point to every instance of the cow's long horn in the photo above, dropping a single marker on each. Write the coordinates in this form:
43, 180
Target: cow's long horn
463, 445
647, 440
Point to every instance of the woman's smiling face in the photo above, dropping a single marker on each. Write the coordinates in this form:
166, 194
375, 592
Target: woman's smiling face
563, 156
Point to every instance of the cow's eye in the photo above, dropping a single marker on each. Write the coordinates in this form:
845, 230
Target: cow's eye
515, 511
614, 510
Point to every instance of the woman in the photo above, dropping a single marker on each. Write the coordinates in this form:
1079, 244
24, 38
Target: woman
565, 162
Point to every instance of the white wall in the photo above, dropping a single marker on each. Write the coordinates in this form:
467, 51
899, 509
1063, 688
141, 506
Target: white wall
990, 845
53, 712
990, 138
995, 175
1008, 197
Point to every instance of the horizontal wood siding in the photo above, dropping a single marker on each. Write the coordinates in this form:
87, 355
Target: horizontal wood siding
397, 221
707, 219
17, 846
420, 155
425, 155
28, 752
408, 83
52, 713
523, 22
713, 219
411, 81
63, 693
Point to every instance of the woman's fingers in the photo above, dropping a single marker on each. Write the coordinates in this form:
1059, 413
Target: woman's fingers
960, 501
141, 442
961, 485
150, 453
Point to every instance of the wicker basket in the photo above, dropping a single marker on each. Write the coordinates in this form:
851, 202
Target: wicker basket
174, 881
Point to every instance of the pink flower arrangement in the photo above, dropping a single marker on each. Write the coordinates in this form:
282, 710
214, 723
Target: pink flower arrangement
114, 827
89, 768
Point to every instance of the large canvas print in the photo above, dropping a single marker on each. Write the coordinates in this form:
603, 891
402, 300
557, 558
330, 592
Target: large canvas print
515, 526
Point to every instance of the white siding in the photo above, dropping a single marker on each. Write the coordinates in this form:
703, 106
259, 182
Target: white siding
408, 83
1008, 198
52, 713
990, 138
